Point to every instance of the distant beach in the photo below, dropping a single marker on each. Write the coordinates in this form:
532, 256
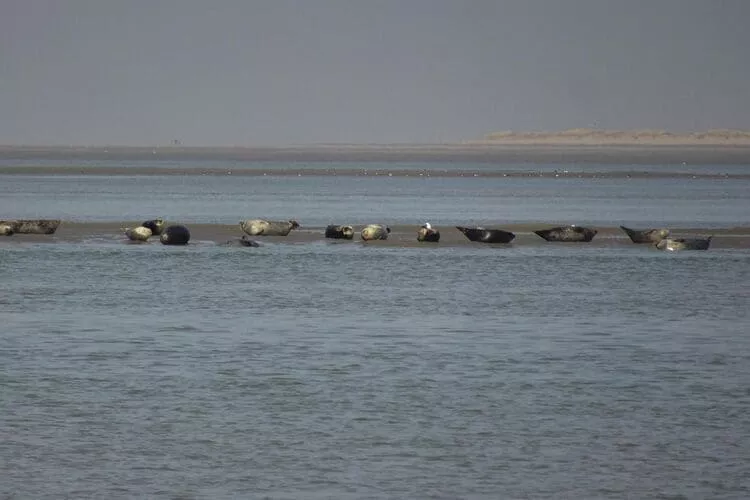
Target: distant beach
726, 147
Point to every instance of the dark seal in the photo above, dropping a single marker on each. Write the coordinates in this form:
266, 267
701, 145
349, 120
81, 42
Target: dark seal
646, 236
155, 225
428, 233
483, 235
339, 232
568, 234
175, 235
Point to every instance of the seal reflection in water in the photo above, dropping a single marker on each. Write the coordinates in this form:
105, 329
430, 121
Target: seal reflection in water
483, 235
427, 233
340, 232
570, 233
646, 236
242, 242
175, 235
676, 244
155, 225
140, 233
259, 227
375, 232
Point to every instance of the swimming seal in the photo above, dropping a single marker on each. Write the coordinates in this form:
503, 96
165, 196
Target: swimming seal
646, 236
572, 233
140, 233
375, 232
483, 235
427, 233
175, 235
259, 227
155, 225
33, 226
676, 244
339, 232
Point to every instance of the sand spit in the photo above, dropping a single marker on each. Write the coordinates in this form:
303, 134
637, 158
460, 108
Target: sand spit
505, 149
637, 137
400, 236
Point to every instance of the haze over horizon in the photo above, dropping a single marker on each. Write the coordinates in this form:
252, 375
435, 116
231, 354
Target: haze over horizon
279, 72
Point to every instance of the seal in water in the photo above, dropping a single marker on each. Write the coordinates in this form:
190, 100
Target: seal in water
175, 235
375, 232
155, 225
570, 233
483, 235
340, 232
675, 244
427, 233
259, 227
646, 236
242, 242
6, 229
140, 233
33, 226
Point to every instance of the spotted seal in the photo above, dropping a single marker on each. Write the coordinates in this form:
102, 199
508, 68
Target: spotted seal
175, 235
646, 236
572, 233
375, 232
259, 227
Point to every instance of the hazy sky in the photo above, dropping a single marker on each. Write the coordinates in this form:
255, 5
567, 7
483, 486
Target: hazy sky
245, 72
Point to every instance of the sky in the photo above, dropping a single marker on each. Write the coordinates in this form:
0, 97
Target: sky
289, 72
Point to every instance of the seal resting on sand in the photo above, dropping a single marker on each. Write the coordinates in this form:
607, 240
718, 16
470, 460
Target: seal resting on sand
340, 232
483, 235
175, 235
570, 233
675, 244
155, 225
259, 227
6, 230
427, 233
375, 232
646, 236
32, 226
140, 233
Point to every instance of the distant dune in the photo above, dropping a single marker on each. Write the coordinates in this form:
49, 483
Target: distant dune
638, 137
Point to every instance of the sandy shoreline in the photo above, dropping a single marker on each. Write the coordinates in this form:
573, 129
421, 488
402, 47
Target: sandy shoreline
500, 152
401, 235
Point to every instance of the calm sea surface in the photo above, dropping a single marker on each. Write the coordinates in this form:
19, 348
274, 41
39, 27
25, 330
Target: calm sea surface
325, 370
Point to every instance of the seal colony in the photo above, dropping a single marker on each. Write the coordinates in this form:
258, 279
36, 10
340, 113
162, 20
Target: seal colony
427, 234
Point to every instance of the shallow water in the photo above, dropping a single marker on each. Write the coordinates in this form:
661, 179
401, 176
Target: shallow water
326, 370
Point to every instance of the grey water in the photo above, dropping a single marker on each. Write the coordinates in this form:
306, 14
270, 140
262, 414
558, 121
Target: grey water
325, 370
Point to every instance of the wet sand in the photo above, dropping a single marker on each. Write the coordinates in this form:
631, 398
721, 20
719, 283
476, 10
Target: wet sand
401, 235
499, 153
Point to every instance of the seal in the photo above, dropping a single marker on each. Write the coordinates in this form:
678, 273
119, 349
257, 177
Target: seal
175, 235
375, 232
6, 229
155, 225
572, 233
427, 233
259, 227
33, 226
339, 232
676, 244
242, 242
646, 236
483, 235
140, 233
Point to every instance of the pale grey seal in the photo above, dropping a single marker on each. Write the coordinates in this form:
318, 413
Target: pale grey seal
259, 227
375, 232
675, 244
140, 233
6, 229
